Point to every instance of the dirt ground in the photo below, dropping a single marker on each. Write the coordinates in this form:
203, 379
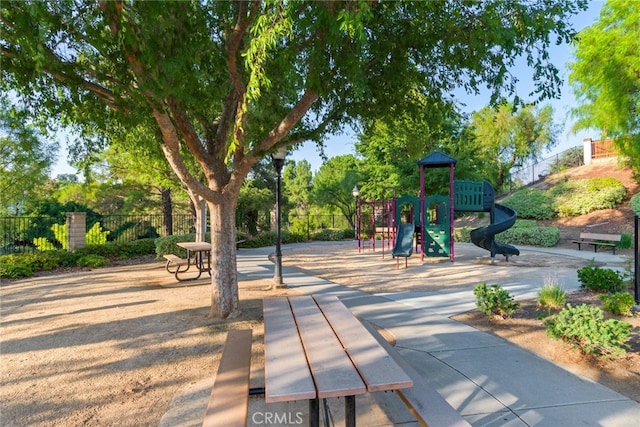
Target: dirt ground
111, 346
114, 345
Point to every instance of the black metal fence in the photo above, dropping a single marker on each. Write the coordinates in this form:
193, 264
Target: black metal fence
19, 234
309, 224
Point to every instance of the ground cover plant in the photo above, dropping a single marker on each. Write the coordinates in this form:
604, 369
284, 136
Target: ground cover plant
581, 196
585, 328
567, 198
528, 232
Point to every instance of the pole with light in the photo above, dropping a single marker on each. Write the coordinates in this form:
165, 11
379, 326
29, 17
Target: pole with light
356, 193
278, 161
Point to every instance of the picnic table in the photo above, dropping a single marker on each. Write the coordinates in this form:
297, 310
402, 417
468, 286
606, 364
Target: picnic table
315, 348
198, 257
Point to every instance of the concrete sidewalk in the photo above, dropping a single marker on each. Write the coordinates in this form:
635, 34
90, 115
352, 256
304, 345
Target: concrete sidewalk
485, 378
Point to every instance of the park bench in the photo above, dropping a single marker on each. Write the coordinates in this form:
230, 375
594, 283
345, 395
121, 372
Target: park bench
596, 239
424, 402
174, 260
229, 401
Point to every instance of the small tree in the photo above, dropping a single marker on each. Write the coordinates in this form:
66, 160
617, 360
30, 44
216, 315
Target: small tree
606, 81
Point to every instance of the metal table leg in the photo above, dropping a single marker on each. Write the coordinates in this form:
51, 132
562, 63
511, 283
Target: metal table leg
350, 411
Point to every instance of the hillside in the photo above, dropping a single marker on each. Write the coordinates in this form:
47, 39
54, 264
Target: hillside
608, 221
619, 220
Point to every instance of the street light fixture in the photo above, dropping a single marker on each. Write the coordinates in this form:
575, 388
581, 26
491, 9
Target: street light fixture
278, 161
356, 193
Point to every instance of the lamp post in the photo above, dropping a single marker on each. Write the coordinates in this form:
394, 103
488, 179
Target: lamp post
356, 193
278, 161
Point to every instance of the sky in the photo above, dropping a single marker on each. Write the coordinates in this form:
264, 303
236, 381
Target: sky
344, 144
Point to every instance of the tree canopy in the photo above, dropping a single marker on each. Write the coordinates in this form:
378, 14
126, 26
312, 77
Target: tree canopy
505, 135
605, 77
228, 82
25, 159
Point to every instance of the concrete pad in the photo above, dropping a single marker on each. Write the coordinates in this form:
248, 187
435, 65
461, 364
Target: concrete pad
463, 395
519, 379
606, 414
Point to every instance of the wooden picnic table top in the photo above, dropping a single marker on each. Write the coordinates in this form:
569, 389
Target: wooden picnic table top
195, 246
316, 348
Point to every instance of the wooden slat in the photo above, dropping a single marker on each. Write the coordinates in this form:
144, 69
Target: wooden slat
287, 375
333, 372
378, 369
424, 402
597, 236
229, 400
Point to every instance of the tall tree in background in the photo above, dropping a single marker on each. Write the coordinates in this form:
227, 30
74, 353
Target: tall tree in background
297, 184
229, 82
25, 159
605, 77
505, 136
391, 144
334, 182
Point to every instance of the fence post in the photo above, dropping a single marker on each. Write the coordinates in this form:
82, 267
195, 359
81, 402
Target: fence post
637, 261
76, 230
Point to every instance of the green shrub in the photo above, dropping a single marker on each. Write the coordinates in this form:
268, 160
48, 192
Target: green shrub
531, 203
579, 197
328, 234
92, 261
635, 203
14, 270
619, 303
583, 327
167, 244
494, 300
599, 279
527, 232
24, 265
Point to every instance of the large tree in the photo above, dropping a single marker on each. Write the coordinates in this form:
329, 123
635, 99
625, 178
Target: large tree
232, 81
606, 77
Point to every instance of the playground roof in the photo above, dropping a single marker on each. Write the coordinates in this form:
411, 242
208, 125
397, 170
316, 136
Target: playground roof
436, 160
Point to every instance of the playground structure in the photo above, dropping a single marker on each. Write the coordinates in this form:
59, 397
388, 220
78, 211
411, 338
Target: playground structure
428, 221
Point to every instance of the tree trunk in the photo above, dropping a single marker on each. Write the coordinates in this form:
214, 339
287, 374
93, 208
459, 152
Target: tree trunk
198, 208
167, 212
225, 302
201, 220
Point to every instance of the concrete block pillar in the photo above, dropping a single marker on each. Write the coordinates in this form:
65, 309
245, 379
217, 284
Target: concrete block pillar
76, 230
587, 143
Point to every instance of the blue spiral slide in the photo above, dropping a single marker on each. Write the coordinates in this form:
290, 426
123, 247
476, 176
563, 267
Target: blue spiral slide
502, 218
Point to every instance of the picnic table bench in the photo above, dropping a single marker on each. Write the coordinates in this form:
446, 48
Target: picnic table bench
229, 400
598, 239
